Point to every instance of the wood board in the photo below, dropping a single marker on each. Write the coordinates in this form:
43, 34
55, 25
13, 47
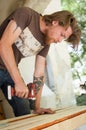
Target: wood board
64, 119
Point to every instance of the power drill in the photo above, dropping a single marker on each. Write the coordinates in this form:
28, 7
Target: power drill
31, 95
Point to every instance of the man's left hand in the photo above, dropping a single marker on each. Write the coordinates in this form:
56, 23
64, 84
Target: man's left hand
42, 111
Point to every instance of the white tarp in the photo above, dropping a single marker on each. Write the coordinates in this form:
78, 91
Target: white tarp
59, 75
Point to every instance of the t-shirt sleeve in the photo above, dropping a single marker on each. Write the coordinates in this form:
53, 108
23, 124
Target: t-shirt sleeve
21, 16
44, 51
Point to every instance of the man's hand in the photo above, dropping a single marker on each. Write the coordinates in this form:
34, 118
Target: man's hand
42, 111
21, 90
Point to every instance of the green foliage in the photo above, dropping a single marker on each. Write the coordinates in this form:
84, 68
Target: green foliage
78, 8
81, 100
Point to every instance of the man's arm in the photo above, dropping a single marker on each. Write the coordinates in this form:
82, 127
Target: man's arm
39, 82
38, 79
9, 36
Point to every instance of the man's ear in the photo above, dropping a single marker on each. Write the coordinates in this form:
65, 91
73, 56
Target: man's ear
54, 23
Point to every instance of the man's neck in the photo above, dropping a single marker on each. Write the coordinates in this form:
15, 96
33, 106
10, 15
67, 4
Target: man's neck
42, 25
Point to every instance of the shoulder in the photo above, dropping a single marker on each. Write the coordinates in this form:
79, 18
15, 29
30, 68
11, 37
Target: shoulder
23, 16
25, 10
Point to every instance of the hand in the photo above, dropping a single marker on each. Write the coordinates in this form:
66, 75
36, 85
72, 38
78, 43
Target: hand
42, 111
21, 90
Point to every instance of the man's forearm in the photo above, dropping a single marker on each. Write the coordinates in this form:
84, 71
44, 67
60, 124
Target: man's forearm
39, 82
9, 61
38, 79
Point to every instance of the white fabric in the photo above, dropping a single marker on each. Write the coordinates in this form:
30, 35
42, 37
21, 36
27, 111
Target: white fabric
59, 75
48, 98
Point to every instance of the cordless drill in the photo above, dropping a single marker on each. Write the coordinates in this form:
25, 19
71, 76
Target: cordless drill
31, 95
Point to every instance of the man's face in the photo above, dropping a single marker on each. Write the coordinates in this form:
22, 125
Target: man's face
56, 33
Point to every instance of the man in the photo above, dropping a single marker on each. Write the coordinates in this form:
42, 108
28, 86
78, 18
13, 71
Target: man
25, 33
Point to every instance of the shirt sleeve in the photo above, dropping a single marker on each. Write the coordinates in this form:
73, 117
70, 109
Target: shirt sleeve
22, 16
44, 51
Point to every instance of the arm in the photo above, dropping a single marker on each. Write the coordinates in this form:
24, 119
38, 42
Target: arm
9, 36
39, 82
39, 77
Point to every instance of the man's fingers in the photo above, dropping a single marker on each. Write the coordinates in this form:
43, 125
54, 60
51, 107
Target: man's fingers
45, 111
26, 95
22, 94
48, 111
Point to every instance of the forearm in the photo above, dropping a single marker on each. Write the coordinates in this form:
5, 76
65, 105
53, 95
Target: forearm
9, 61
38, 79
39, 82
7, 56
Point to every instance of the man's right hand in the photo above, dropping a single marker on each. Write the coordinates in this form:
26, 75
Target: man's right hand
21, 90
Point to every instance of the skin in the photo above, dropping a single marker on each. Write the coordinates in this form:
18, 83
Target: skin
53, 33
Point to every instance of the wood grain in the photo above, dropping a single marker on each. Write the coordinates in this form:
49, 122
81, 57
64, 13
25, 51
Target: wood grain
47, 121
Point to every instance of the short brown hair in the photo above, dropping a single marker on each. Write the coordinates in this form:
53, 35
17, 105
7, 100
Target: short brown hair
65, 19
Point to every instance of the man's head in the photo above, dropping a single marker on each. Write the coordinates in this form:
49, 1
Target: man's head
62, 25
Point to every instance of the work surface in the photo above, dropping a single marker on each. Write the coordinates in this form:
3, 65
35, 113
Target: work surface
64, 119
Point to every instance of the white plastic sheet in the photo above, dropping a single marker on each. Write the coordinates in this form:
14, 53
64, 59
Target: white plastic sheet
60, 76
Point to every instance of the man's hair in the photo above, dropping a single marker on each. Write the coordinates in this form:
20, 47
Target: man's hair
65, 19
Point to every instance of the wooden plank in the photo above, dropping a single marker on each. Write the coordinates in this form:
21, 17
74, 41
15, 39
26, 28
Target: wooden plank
66, 117
39, 122
70, 124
